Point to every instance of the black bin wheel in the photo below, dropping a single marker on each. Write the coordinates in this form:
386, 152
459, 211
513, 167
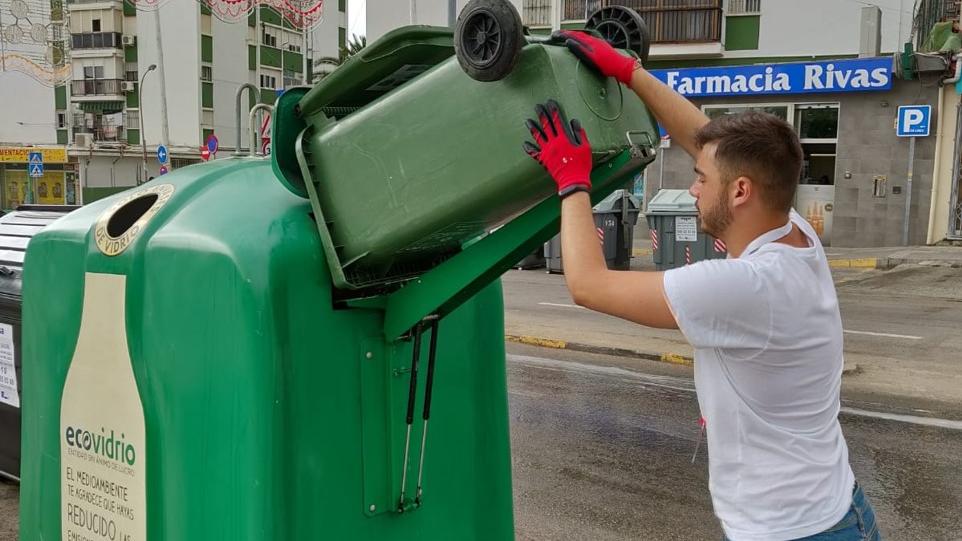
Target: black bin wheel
623, 28
488, 39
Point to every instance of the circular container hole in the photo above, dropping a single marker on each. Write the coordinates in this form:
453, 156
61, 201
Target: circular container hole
127, 215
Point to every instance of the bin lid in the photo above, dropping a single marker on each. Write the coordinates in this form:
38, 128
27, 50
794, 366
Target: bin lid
672, 202
17, 228
614, 201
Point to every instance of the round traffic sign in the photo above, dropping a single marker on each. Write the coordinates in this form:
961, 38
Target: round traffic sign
204, 153
212, 143
163, 170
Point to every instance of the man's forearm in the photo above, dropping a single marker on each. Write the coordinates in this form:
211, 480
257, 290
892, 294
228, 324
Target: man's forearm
680, 117
580, 249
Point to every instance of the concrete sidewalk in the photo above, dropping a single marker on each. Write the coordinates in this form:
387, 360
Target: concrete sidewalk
863, 258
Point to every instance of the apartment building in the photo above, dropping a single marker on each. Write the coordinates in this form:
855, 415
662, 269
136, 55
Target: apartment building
106, 120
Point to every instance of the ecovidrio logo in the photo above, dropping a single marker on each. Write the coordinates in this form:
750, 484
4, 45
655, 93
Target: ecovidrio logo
107, 446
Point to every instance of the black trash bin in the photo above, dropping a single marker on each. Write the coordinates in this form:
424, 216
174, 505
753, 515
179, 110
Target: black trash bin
16, 229
615, 219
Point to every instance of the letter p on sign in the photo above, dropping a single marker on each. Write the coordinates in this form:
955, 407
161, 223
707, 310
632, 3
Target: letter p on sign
913, 121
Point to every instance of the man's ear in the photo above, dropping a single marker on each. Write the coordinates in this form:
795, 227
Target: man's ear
742, 189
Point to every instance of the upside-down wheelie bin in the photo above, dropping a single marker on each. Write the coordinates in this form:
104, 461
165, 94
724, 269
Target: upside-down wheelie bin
308, 346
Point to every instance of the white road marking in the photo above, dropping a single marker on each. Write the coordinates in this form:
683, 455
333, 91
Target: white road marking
911, 419
687, 385
557, 305
884, 334
847, 331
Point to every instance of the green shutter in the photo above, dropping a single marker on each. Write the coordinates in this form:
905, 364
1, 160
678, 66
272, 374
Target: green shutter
341, 5
130, 53
251, 58
61, 137
269, 16
205, 133
60, 96
133, 98
293, 62
741, 32
341, 38
268, 96
207, 94
206, 48
251, 20
204, 8
133, 137
129, 9
95, 194
270, 56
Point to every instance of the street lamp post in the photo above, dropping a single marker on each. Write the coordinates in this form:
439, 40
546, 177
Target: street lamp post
140, 103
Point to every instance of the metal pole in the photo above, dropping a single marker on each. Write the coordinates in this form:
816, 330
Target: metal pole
954, 225
164, 131
240, 91
254, 130
908, 193
143, 132
260, 41
661, 170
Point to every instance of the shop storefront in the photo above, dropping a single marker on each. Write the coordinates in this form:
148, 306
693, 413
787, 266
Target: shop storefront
853, 182
53, 183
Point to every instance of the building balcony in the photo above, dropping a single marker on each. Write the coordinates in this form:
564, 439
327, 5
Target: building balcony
77, 5
96, 40
100, 134
97, 87
676, 22
536, 13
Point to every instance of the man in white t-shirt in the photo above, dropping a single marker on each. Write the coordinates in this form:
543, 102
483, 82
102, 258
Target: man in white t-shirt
764, 323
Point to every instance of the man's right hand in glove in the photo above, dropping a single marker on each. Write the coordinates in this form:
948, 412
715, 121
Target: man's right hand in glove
598, 54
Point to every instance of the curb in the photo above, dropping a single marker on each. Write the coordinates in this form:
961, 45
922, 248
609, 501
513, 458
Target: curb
857, 263
852, 263
670, 358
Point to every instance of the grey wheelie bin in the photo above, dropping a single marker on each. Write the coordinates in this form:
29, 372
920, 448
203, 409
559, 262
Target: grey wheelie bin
676, 236
615, 219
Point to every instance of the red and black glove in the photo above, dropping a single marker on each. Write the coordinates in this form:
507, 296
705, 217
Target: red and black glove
598, 54
561, 147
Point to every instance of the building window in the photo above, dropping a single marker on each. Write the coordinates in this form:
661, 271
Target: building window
95, 25
132, 120
93, 72
270, 36
268, 81
744, 7
206, 73
292, 42
178, 163
61, 120
714, 111
130, 73
291, 78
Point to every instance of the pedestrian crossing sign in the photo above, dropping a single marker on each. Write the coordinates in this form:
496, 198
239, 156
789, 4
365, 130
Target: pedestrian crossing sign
35, 157
36, 170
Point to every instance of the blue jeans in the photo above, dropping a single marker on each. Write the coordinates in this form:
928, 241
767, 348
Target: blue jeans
857, 525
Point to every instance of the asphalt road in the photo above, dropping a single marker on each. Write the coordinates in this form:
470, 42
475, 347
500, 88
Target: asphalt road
901, 330
603, 449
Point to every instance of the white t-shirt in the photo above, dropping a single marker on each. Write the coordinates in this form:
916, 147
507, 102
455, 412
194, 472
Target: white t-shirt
768, 368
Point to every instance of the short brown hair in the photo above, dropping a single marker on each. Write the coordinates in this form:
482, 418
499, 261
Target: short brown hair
760, 146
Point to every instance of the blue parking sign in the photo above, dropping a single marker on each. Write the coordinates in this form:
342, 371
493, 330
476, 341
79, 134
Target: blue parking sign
913, 121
